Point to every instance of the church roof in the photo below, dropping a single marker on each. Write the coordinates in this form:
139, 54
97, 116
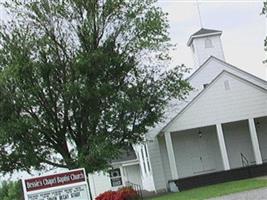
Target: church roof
176, 106
195, 98
229, 65
203, 32
126, 154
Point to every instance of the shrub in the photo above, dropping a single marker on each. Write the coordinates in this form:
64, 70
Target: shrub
11, 190
109, 195
125, 193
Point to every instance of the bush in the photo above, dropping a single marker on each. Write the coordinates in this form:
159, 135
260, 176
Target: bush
125, 193
109, 195
11, 190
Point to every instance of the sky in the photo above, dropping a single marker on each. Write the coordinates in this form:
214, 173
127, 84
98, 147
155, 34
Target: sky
244, 30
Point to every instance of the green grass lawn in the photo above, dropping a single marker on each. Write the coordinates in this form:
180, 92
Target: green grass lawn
215, 190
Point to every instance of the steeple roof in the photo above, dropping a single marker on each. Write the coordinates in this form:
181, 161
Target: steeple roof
202, 33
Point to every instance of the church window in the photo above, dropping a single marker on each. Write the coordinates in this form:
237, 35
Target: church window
115, 177
208, 43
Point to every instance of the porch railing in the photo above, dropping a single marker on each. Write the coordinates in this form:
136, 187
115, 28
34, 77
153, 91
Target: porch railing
244, 160
137, 188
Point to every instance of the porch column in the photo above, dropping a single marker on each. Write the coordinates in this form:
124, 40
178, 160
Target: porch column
141, 162
171, 155
145, 158
255, 141
224, 154
122, 176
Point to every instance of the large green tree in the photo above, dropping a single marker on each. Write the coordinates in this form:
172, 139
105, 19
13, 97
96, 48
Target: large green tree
81, 79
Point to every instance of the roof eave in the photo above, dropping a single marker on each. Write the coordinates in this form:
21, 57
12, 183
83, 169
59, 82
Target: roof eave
127, 162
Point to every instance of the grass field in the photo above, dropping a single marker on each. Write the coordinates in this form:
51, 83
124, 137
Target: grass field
215, 190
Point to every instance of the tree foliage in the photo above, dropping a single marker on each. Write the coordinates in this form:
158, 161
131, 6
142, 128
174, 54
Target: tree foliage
80, 79
264, 11
11, 191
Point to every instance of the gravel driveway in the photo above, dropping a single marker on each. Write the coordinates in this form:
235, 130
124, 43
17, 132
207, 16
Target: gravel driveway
258, 194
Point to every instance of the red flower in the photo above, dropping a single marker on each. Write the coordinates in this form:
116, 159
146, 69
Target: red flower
125, 193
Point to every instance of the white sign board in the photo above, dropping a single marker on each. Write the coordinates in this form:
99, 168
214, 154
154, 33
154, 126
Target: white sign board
71, 185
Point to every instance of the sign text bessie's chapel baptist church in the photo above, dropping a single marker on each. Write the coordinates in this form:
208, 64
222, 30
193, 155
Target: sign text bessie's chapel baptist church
70, 185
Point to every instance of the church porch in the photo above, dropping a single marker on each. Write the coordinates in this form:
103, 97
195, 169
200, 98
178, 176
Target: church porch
219, 148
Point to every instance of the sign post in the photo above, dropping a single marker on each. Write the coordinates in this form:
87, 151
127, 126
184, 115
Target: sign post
71, 185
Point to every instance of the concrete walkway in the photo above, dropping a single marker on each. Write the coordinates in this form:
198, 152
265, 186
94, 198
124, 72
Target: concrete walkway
258, 194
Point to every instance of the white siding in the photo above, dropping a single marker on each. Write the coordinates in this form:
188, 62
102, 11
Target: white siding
99, 183
201, 54
157, 165
217, 105
132, 174
164, 156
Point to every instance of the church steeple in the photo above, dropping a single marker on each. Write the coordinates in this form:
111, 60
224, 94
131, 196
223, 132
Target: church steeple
205, 43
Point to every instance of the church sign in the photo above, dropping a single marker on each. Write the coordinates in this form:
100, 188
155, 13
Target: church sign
71, 185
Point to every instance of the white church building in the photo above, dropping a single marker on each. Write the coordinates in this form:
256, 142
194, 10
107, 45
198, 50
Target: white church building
219, 133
